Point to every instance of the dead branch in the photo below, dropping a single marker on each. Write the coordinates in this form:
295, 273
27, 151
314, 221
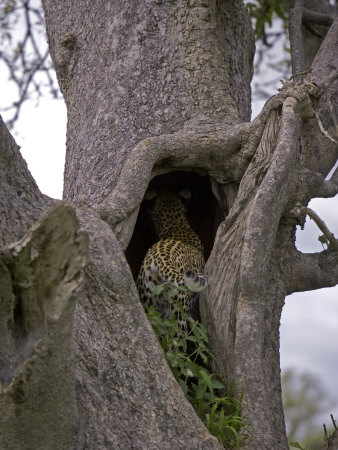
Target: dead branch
331, 441
300, 211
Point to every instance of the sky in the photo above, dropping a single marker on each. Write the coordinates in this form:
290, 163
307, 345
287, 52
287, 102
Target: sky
309, 325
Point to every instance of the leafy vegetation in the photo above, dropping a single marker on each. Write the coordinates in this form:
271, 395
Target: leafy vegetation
188, 354
263, 12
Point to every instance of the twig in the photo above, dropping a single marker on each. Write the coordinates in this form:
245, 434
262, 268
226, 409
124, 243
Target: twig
28, 59
300, 74
311, 29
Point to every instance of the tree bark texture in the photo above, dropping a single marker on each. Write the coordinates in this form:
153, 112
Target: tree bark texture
40, 276
153, 88
21, 202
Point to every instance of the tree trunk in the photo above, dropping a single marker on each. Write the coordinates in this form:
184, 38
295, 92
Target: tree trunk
154, 89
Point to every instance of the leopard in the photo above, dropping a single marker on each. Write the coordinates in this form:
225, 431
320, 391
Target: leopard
176, 259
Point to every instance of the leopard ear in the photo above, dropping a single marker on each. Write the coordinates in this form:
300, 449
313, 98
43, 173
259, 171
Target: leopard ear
185, 193
149, 195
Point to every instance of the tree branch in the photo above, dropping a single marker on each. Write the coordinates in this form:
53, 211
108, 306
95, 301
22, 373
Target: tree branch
331, 440
265, 212
258, 124
317, 186
296, 39
331, 185
23, 59
300, 211
318, 18
312, 271
324, 66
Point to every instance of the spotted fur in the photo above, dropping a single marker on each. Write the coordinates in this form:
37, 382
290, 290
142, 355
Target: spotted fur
177, 258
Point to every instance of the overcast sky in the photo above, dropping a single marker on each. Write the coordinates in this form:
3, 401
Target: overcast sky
309, 330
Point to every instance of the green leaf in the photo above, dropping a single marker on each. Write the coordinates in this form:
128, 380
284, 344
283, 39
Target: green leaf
157, 290
192, 338
296, 445
204, 357
189, 373
207, 378
279, 12
171, 292
200, 391
183, 385
322, 239
181, 288
217, 384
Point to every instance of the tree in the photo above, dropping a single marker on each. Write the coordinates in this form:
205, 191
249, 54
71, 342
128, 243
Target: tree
159, 93
24, 54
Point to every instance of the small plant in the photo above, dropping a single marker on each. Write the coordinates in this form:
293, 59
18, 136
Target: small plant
188, 355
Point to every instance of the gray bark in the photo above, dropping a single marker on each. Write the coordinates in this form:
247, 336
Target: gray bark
153, 87
21, 202
40, 277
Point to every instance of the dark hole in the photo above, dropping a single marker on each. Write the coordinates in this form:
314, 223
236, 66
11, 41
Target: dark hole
17, 326
203, 213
